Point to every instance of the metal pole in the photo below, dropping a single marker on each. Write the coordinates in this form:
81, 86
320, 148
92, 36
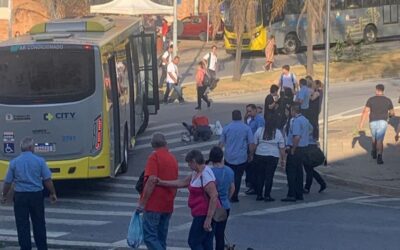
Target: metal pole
10, 19
208, 24
196, 7
326, 86
175, 28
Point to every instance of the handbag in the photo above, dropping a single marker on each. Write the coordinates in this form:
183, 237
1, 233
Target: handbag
220, 213
135, 231
313, 156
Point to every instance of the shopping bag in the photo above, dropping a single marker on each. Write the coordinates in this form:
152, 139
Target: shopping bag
218, 128
135, 231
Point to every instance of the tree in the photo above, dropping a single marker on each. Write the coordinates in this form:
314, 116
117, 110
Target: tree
242, 17
315, 14
66, 8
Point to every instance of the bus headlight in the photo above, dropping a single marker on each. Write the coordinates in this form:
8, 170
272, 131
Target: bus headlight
97, 134
257, 34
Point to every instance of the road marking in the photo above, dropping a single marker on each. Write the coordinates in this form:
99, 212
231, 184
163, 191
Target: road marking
50, 234
79, 211
168, 125
100, 202
376, 205
148, 145
195, 145
80, 244
123, 195
298, 206
67, 222
381, 200
148, 137
127, 178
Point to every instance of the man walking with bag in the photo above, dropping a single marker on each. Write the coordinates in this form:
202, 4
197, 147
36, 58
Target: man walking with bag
157, 202
379, 108
173, 81
29, 172
211, 61
166, 59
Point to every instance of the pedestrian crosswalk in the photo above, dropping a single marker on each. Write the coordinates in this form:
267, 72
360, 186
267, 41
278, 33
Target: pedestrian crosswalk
98, 212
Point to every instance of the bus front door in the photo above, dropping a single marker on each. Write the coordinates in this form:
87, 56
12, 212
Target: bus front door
115, 131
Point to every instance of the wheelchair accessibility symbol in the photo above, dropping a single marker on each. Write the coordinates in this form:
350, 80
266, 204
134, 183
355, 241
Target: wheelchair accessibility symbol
9, 148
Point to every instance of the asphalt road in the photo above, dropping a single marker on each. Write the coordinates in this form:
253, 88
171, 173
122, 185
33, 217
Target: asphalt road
95, 214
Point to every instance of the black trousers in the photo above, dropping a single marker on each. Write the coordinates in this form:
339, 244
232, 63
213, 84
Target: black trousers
30, 204
251, 181
220, 233
265, 170
294, 173
310, 174
200, 95
238, 170
163, 76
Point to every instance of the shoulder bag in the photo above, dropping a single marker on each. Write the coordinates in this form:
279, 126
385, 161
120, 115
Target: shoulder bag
220, 212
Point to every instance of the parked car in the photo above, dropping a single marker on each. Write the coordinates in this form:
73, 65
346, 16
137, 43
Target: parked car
196, 27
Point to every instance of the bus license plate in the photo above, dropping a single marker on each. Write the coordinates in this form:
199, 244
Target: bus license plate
45, 147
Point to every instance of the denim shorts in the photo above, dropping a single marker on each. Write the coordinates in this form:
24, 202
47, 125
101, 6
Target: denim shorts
378, 129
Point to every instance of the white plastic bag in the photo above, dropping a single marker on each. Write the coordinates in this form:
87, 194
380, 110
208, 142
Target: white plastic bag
218, 128
135, 231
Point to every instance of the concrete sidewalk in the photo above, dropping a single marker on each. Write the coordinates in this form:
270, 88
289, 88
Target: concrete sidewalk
350, 163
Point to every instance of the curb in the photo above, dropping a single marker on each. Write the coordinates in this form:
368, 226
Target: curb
361, 187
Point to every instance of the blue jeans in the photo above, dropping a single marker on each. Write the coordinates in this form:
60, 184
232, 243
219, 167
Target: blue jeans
378, 129
155, 230
199, 239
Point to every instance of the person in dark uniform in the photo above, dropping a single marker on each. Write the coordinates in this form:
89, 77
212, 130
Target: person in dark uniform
28, 172
297, 142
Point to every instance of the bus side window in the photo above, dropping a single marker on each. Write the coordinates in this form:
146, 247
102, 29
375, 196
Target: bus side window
337, 4
353, 4
370, 3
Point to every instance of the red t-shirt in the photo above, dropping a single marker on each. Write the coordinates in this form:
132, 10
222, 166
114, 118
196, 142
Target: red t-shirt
200, 120
163, 164
164, 29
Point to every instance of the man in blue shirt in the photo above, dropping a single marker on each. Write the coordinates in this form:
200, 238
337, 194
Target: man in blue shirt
28, 172
254, 120
238, 141
303, 97
297, 142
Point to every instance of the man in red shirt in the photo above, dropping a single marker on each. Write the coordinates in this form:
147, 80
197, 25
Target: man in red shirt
157, 202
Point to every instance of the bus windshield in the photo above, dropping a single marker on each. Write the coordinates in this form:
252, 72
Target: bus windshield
228, 22
39, 74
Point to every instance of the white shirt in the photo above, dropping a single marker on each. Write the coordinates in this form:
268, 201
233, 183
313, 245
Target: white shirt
288, 81
167, 57
173, 69
268, 147
207, 176
213, 60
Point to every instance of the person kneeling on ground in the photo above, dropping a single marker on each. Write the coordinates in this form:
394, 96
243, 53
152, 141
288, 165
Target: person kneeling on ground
200, 128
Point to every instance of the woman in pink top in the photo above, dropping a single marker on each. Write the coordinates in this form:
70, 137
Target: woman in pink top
203, 200
201, 76
269, 53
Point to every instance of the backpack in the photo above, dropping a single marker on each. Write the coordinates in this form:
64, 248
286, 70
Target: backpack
161, 61
281, 82
140, 183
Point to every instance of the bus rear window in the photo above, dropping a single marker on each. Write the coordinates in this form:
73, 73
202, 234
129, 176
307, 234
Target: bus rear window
52, 74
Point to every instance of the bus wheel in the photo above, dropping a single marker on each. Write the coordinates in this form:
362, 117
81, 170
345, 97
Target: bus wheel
125, 154
203, 36
370, 33
291, 44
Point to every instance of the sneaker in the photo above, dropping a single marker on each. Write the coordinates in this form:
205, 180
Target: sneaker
197, 108
379, 160
185, 137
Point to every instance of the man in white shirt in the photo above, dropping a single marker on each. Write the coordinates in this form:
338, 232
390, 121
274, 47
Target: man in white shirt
173, 80
211, 59
166, 59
